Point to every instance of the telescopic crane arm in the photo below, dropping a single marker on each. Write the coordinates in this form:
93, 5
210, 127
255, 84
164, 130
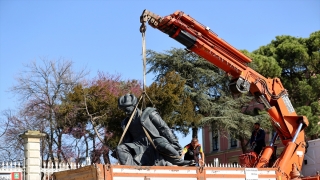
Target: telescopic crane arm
204, 42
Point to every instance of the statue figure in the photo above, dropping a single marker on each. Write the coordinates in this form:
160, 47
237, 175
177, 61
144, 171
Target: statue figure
148, 140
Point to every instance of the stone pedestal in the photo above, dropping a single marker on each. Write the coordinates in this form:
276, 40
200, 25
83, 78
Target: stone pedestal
31, 141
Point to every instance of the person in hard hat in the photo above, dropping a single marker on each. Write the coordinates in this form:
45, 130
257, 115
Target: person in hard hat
192, 151
160, 148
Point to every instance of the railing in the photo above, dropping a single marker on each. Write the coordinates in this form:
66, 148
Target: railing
11, 169
223, 165
47, 171
217, 164
17, 169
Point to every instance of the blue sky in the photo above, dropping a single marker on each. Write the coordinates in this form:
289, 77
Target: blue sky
104, 35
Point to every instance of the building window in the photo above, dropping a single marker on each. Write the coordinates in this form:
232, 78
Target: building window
215, 140
233, 142
215, 145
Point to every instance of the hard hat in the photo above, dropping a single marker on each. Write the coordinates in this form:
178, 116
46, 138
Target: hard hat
127, 100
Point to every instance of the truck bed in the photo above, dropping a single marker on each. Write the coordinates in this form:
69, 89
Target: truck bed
120, 172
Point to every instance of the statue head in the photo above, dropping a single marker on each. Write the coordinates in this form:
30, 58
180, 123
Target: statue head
127, 103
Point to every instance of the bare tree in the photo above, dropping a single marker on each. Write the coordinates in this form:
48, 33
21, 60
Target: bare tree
7, 148
41, 89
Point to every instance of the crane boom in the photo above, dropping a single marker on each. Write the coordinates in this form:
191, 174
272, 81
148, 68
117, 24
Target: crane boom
201, 40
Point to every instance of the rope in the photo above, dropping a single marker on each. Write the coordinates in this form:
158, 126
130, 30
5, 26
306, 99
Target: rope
128, 124
143, 31
144, 59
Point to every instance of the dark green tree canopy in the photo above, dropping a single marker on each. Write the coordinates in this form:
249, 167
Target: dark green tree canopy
201, 77
175, 106
264, 65
299, 60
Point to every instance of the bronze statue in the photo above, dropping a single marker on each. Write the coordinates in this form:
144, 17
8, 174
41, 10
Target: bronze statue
148, 140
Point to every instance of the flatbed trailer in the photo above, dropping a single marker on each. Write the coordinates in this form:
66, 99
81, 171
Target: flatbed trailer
121, 172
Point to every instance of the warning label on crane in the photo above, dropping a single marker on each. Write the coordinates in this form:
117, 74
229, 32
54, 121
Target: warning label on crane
251, 173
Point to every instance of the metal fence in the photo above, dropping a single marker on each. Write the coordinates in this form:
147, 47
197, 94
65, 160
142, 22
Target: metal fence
16, 170
10, 170
47, 171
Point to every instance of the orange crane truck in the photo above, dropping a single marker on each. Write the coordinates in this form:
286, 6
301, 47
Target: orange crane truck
288, 125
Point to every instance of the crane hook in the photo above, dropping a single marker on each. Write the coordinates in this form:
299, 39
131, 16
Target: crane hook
143, 27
